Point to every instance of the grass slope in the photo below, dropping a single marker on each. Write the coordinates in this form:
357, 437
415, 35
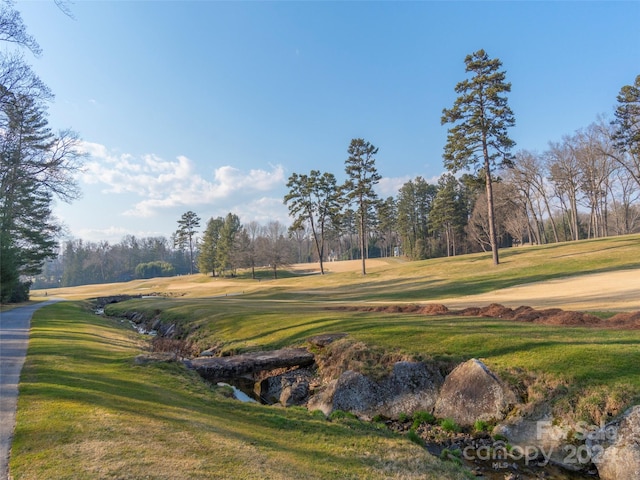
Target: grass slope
396, 280
599, 370
87, 411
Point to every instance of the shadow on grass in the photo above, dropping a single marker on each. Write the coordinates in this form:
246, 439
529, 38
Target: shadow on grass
430, 290
137, 397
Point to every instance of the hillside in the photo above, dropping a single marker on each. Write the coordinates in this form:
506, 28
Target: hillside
600, 274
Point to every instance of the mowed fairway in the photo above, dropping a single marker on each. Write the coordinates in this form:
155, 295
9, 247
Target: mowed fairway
601, 274
86, 410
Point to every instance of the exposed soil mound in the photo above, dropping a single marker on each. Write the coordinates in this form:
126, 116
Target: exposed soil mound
550, 316
629, 320
573, 319
496, 310
433, 309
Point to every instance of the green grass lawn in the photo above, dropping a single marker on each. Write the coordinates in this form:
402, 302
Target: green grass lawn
86, 411
600, 368
596, 365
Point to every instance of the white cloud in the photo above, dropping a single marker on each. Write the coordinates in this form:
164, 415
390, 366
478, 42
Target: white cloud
230, 179
165, 184
111, 234
263, 210
389, 186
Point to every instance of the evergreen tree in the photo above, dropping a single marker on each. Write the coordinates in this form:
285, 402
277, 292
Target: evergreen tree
208, 258
314, 199
627, 129
448, 213
362, 176
481, 117
387, 213
244, 256
226, 253
414, 205
185, 234
35, 164
32, 170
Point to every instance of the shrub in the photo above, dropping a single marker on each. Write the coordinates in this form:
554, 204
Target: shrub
318, 414
421, 417
415, 438
338, 414
449, 425
481, 426
154, 269
451, 456
378, 418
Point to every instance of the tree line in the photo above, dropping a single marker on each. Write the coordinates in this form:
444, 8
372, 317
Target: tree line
223, 248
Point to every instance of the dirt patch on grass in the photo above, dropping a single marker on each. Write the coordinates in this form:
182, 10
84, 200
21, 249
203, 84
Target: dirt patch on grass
549, 316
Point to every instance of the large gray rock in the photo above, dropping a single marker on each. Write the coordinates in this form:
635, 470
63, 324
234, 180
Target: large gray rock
472, 392
216, 369
351, 392
615, 449
289, 388
544, 434
412, 386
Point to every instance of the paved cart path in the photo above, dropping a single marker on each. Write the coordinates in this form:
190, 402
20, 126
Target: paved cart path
14, 338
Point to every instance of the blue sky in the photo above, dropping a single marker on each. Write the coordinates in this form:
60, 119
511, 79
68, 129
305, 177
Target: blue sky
210, 106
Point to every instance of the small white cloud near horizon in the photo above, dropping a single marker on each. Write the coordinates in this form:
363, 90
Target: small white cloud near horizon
164, 184
390, 186
263, 210
112, 234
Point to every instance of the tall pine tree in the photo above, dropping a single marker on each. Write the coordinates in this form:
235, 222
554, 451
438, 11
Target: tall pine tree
185, 235
362, 176
626, 133
208, 258
36, 165
481, 117
314, 199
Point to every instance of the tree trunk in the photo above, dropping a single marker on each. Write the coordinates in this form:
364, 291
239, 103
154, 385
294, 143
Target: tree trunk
190, 256
574, 216
553, 223
446, 232
363, 242
453, 240
490, 211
